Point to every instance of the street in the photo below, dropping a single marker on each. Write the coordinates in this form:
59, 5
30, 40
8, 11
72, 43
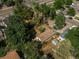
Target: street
74, 22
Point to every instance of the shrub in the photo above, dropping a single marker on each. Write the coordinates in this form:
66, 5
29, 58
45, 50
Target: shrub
42, 29
71, 12
2, 52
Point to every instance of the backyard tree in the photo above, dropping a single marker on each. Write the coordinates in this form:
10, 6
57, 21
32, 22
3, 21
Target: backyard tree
2, 52
52, 12
71, 11
18, 31
58, 4
15, 31
23, 11
8, 2
31, 50
73, 36
68, 2
59, 21
3, 48
45, 9
30, 32
41, 12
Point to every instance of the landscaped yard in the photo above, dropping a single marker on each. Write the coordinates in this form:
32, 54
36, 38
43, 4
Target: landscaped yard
64, 51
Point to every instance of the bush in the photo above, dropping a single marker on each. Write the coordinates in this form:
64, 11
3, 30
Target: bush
59, 21
42, 29
8, 2
2, 52
71, 12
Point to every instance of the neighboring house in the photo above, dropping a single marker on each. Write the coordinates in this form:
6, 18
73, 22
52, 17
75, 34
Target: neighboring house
11, 55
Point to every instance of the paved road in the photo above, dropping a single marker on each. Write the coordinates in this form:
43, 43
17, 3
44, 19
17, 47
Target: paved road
73, 22
29, 2
39, 1
7, 11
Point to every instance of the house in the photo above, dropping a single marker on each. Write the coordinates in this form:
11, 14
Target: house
45, 35
11, 55
52, 44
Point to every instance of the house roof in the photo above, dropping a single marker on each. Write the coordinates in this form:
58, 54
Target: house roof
11, 55
45, 35
48, 46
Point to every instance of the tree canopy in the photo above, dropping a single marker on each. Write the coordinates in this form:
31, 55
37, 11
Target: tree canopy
8, 2
15, 30
23, 11
68, 2
73, 36
58, 4
59, 21
71, 11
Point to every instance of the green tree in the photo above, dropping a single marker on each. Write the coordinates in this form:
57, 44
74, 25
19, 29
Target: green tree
8, 2
2, 52
58, 4
30, 32
71, 11
45, 9
52, 12
18, 31
68, 2
33, 49
59, 21
15, 30
3, 48
73, 36
23, 11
